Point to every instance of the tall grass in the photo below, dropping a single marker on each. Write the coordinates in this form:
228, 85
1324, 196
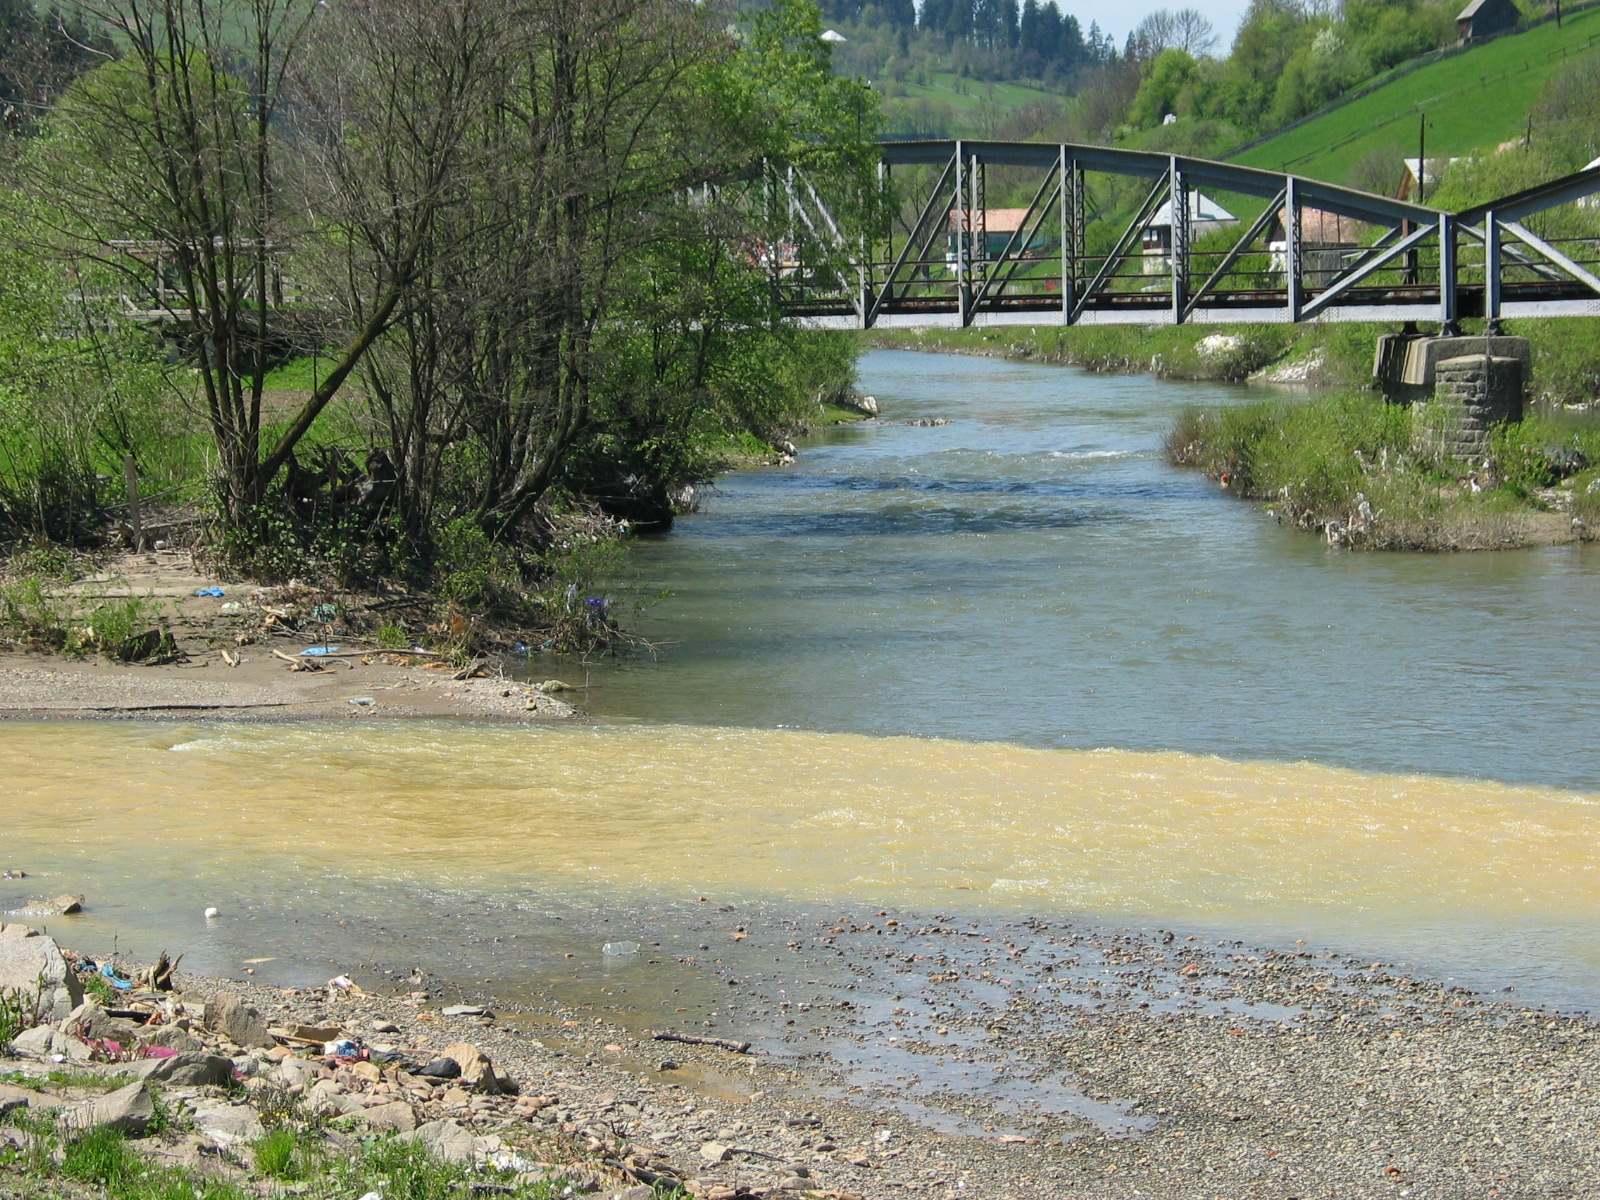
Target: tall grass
1350, 466
38, 611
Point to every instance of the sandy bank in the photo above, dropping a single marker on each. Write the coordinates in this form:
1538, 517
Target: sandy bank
231, 662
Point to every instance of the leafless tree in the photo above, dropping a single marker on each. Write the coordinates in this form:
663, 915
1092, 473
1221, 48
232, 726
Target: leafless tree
1186, 30
163, 168
513, 156
1193, 33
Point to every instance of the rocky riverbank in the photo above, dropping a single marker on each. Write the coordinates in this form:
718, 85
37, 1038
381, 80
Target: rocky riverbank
891, 1055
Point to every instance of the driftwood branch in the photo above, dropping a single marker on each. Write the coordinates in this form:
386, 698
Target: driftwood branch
376, 650
313, 662
695, 1040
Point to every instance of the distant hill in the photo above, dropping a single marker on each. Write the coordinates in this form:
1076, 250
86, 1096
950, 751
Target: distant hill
1472, 100
963, 67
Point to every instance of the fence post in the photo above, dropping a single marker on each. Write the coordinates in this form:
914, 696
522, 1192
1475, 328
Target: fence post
135, 522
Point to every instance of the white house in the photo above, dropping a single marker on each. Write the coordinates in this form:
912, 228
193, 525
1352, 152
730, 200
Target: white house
1205, 216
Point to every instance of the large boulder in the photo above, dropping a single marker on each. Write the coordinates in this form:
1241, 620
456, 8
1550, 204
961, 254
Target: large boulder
396, 1115
32, 965
89, 1020
476, 1068
227, 1124
183, 1070
129, 1110
44, 1041
447, 1140
172, 1038
238, 1022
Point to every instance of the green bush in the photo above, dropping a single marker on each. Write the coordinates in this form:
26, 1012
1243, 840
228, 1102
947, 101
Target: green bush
1348, 465
473, 571
18, 1013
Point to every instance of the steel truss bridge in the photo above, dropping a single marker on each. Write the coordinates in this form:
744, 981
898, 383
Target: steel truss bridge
931, 261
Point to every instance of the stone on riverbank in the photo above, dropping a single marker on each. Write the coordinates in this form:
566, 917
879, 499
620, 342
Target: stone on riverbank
227, 1124
476, 1068
130, 1110
238, 1022
448, 1140
397, 1115
32, 965
183, 1070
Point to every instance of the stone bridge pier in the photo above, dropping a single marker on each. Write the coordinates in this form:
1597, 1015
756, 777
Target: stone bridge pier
1459, 387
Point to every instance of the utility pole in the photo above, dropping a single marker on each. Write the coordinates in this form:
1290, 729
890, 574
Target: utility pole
1422, 157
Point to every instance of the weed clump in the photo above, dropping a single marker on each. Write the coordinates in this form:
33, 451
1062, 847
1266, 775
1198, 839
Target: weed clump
1354, 468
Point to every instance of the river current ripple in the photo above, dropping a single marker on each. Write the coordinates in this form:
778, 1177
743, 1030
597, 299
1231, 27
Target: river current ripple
1033, 572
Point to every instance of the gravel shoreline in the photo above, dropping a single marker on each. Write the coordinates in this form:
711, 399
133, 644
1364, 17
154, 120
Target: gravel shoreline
898, 1054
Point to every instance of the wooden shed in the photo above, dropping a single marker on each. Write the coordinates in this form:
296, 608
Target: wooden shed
1485, 19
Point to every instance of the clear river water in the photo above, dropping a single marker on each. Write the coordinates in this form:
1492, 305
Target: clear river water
1009, 664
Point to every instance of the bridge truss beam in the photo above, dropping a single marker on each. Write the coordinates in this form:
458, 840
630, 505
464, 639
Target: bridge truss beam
937, 262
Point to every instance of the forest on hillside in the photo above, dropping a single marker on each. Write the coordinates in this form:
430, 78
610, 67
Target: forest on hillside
995, 68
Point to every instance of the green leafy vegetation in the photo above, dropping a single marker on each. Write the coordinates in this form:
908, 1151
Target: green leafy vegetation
1361, 142
1351, 466
463, 321
38, 610
18, 1012
104, 1160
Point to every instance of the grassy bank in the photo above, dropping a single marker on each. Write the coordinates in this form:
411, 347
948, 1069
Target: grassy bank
1566, 353
1348, 467
44, 1164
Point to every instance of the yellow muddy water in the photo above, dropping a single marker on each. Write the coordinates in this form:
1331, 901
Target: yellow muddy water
155, 822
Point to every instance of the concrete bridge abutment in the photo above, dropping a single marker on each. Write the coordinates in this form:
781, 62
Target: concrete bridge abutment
1459, 388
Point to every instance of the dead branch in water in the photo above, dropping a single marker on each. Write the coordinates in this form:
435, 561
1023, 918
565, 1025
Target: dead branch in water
695, 1040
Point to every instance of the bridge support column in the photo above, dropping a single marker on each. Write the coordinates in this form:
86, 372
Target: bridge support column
1406, 364
1472, 393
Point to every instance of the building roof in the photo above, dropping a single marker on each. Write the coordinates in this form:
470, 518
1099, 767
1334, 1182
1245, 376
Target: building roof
1319, 227
1201, 208
833, 35
1429, 174
1472, 10
993, 220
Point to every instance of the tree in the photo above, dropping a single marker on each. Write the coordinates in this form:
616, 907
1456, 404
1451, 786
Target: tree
522, 159
1192, 33
1186, 30
1167, 88
161, 165
41, 54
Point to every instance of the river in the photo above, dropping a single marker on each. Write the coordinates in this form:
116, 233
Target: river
1009, 664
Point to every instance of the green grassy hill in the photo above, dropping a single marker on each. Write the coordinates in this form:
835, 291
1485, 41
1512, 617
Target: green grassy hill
949, 105
1472, 102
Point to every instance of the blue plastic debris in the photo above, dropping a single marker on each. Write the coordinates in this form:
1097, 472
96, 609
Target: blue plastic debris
318, 651
210, 591
110, 974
